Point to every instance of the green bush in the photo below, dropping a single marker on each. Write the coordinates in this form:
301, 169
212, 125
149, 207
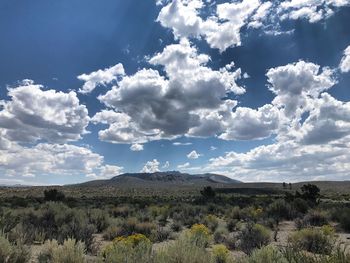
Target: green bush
160, 234
315, 240
70, 251
344, 219
220, 254
132, 249
199, 234
112, 232
211, 221
183, 250
316, 218
279, 210
253, 236
10, 253
267, 254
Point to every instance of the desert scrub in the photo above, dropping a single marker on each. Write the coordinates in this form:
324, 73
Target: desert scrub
315, 240
267, 254
10, 253
253, 236
315, 218
183, 250
200, 235
131, 249
220, 254
211, 221
220, 235
70, 251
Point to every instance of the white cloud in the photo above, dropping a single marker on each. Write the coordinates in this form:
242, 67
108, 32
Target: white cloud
32, 114
151, 167
54, 159
329, 120
221, 27
220, 30
312, 10
294, 83
345, 62
248, 124
193, 155
183, 166
174, 105
100, 77
182, 143
136, 147
166, 165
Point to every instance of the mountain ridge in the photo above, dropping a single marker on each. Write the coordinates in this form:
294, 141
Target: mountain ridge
164, 178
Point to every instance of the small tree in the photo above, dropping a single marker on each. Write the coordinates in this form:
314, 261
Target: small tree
310, 192
284, 185
53, 195
208, 192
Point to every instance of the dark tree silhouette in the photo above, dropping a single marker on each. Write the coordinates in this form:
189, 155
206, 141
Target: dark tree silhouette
208, 192
310, 192
53, 195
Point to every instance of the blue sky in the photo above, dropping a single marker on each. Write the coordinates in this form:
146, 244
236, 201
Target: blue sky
256, 90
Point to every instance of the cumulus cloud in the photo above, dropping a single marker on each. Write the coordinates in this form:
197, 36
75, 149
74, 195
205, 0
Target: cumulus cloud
54, 159
248, 124
312, 10
345, 62
173, 105
328, 121
151, 167
220, 30
32, 114
100, 77
193, 155
222, 27
136, 147
294, 83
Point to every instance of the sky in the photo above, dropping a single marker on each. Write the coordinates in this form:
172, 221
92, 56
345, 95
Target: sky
256, 90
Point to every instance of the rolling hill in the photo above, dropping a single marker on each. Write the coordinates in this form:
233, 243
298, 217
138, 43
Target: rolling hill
174, 178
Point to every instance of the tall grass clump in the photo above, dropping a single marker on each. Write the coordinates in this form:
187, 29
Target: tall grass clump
12, 253
131, 249
70, 251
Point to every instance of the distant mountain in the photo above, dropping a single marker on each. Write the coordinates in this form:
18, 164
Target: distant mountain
162, 178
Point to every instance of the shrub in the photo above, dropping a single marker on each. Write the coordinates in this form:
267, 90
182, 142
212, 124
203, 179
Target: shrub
220, 235
232, 224
253, 236
160, 234
99, 219
53, 195
211, 221
279, 210
208, 192
267, 254
70, 251
199, 234
176, 226
183, 250
145, 228
132, 249
112, 232
10, 253
344, 219
313, 240
220, 253
300, 205
315, 218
